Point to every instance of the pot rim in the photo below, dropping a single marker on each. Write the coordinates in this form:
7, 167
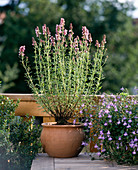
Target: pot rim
53, 125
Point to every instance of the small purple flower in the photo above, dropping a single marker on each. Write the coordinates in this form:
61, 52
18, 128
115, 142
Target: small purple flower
103, 150
116, 110
118, 122
131, 145
109, 116
101, 132
109, 138
122, 89
134, 132
130, 112
100, 137
85, 124
81, 111
115, 100
135, 102
90, 124
124, 118
128, 126
108, 106
134, 152
117, 147
98, 153
103, 138
119, 138
90, 115
100, 116
95, 146
107, 111
108, 133
105, 124
124, 123
129, 120
126, 106
74, 121
110, 121
84, 143
83, 105
125, 134
135, 140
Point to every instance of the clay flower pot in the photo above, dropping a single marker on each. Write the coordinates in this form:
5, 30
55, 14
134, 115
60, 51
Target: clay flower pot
62, 141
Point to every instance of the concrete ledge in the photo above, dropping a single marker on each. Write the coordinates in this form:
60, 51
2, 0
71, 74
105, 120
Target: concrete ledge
82, 162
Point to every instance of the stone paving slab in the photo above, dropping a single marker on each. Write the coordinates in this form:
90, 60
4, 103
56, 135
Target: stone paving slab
43, 162
82, 162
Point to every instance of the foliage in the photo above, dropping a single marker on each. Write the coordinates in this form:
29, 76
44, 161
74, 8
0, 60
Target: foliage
64, 70
19, 139
7, 110
8, 77
115, 126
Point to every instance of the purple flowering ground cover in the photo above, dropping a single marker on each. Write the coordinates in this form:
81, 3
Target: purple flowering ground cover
115, 126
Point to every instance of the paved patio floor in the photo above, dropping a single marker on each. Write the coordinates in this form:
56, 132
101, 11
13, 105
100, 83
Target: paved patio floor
82, 162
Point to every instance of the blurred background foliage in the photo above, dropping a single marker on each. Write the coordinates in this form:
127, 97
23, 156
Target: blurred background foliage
100, 17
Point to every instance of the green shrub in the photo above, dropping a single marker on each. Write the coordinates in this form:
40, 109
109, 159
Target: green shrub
19, 138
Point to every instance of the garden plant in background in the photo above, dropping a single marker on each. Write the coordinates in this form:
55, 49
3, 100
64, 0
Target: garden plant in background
65, 72
19, 139
115, 126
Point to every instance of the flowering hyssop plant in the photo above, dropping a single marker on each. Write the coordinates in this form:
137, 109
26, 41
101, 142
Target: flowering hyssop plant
64, 69
115, 125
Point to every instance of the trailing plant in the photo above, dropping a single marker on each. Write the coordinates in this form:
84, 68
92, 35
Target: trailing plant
114, 124
66, 70
19, 138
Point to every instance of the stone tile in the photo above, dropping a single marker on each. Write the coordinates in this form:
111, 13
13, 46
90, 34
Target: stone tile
43, 162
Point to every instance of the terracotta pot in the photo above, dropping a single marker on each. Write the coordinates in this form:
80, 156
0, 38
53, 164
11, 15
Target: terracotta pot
62, 141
